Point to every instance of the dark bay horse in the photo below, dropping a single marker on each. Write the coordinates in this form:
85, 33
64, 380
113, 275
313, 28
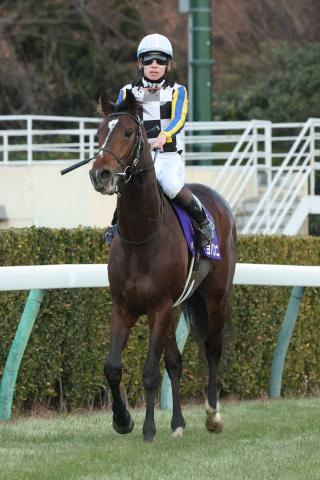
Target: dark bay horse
148, 267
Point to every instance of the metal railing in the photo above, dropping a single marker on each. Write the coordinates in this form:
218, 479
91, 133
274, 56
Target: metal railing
35, 138
293, 178
276, 162
245, 161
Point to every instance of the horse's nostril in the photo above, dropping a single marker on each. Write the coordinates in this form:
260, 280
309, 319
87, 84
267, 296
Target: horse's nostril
104, 175
100, 178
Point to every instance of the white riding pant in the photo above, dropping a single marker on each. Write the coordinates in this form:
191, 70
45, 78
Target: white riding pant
169, 169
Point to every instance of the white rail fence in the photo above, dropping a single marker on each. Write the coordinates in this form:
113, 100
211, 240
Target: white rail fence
294, 178
278, 160
240, 150
43, 277
96, 275
35, 138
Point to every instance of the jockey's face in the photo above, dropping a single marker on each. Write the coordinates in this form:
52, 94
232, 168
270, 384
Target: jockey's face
155, 70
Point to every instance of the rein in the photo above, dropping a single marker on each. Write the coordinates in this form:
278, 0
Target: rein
145, 240
154, 234
130, 170
126, 170
139, 140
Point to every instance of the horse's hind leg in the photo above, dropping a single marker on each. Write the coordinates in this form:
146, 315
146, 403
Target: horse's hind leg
217, 317
121, 323
172, 358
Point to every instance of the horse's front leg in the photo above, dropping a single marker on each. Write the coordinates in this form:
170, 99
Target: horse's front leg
120, 327
173, 362
158, 323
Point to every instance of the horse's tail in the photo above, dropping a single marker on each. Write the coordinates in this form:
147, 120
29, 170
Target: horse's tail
196, 315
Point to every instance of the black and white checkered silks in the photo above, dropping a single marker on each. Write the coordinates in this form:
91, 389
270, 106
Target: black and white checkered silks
165, 108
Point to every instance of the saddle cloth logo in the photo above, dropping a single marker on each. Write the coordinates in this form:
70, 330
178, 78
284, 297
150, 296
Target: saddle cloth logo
212, 250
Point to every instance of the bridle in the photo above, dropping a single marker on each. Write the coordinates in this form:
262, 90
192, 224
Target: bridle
128, 171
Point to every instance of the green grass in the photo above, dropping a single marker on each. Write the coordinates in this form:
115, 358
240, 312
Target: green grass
261, 440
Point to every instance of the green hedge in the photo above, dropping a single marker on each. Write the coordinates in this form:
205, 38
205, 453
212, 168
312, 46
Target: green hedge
63, 363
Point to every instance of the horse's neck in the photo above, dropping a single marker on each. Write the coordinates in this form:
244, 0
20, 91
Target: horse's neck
139, 204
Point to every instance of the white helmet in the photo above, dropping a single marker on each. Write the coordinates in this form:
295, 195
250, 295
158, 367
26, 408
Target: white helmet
155, 43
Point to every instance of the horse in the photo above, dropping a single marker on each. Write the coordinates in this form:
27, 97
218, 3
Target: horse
148, 266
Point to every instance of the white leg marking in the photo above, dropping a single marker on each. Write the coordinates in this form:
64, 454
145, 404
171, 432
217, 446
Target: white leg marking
178, 432
214, 422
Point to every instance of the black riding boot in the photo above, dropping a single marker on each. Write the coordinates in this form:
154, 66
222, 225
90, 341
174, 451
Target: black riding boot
110, 232
203, 225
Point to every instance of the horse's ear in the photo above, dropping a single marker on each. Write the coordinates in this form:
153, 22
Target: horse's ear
131, 102
105, 106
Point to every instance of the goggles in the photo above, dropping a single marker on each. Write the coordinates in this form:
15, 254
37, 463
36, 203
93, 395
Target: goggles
148, 59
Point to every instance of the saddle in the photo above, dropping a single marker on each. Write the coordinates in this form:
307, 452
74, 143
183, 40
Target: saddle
198, 269
210, 251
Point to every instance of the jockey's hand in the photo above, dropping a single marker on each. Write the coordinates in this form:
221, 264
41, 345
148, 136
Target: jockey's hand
158, 142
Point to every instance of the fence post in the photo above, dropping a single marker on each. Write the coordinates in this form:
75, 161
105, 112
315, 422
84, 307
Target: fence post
81, 140
17, 349
268, 163
5, 157
284, 337
312, 187
255, 166
91, 144
29, 140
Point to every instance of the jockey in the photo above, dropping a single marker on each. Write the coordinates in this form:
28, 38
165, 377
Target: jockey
164, 107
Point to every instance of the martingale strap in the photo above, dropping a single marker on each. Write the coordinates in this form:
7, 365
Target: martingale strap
188, 286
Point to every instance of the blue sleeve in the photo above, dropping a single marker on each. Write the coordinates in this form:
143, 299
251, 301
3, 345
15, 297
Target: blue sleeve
121, 96
179, 112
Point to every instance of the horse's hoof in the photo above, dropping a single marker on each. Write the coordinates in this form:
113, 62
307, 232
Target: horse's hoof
148, 438
178, 432
123, 429
214, 422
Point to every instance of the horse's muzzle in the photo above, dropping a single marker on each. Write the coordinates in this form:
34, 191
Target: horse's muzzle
102, 180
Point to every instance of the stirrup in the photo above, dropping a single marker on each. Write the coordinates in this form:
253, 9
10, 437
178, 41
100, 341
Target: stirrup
110, 233
206, 233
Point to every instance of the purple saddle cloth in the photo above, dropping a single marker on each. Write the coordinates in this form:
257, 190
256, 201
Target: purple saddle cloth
212, 250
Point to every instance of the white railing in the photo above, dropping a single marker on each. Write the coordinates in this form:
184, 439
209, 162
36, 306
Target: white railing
96, 275
35, 138
244, 161
42, 277
292, 179
277, 161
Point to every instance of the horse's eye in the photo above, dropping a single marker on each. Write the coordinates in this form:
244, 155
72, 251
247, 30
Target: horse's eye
128, 132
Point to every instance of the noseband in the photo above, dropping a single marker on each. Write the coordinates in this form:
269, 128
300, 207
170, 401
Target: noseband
128, 171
